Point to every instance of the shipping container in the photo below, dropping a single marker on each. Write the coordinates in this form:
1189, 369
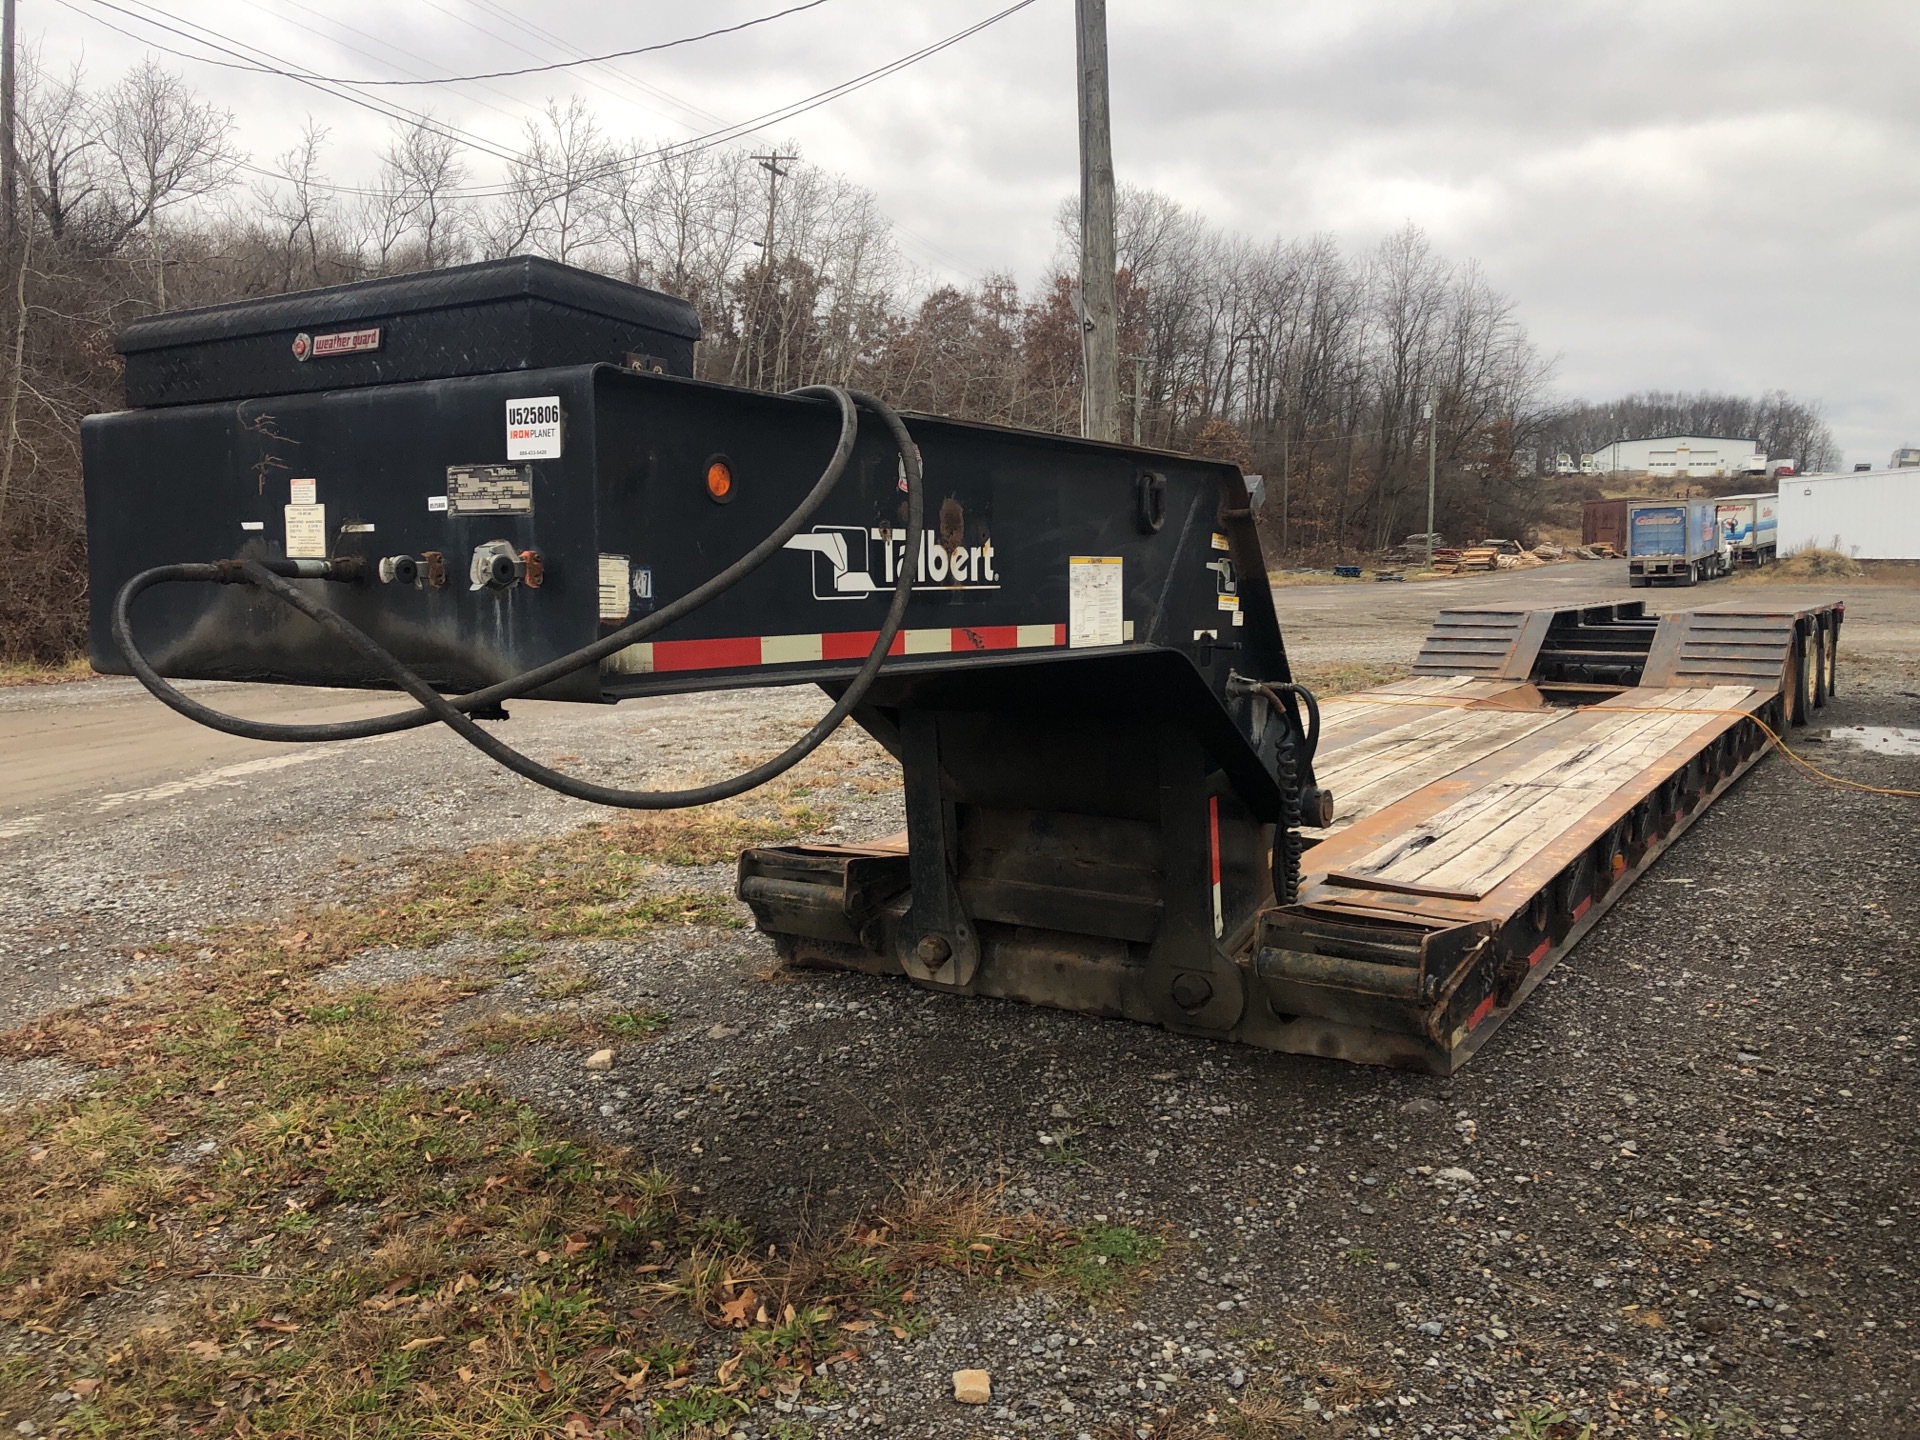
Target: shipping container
1750, 526
1604, 522
1674, 542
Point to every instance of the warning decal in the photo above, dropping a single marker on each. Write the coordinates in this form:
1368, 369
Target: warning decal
1094, 594
306, 532
613, 587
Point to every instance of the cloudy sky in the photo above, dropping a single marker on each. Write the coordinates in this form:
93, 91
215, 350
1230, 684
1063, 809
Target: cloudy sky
1679, 194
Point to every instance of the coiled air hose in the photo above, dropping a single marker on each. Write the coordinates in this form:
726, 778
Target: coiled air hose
453, 713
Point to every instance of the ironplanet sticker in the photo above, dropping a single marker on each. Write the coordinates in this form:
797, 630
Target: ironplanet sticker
533, 428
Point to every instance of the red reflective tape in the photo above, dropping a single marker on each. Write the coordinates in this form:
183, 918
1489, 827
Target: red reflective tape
1480, 1012
1582, 908
731, 653
1213, 826
1540, 954
1059, 634
986, 637
851, 644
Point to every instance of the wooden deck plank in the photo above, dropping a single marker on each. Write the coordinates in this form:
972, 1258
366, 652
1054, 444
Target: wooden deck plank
1381, 768
1475, 843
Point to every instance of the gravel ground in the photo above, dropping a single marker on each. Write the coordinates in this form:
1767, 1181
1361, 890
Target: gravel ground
1676, 1190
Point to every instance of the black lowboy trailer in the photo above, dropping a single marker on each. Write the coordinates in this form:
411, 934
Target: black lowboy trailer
1117, 799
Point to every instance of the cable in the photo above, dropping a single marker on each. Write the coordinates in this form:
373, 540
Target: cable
583, 60
530, 680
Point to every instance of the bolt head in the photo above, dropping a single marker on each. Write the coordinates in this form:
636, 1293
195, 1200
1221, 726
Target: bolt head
934, 951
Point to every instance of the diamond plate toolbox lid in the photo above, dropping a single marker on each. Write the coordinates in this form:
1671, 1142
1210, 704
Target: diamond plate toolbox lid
522, 313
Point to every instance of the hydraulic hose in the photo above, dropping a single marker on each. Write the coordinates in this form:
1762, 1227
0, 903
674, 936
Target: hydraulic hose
452, 712
1310, 701
530, 680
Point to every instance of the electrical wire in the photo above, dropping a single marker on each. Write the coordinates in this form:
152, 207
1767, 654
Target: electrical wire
583, 60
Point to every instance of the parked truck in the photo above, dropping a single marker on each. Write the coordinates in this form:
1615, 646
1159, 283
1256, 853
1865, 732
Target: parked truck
1674, 542
1750, 526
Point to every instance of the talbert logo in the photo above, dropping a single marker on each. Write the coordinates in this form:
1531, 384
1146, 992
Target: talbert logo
851, 562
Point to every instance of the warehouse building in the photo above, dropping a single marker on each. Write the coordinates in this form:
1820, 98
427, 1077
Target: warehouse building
1869, 515
1677, 457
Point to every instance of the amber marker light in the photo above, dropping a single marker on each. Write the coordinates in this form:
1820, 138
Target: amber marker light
720, 479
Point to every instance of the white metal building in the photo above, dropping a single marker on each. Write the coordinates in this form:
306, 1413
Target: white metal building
1679, 457
1869, 515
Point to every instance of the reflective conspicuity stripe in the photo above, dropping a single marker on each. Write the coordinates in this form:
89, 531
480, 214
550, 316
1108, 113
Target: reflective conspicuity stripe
1213, 837
745, 651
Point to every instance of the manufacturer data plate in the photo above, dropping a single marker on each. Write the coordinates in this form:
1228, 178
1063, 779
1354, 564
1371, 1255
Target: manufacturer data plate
490, 489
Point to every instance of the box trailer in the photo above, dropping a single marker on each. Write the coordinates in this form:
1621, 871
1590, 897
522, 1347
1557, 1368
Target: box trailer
1604, 522
1750, 526
1674, 542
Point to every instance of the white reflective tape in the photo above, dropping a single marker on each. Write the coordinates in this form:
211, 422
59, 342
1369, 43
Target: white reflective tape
634, 660
788, 649
1026, 635
927, 642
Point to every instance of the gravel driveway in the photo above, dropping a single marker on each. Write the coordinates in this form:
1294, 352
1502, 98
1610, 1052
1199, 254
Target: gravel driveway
1674, 1196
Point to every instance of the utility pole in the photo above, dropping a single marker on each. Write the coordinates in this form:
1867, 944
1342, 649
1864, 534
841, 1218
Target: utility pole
1100, 342
9, 161
1431, 466
1139, 391
771, 164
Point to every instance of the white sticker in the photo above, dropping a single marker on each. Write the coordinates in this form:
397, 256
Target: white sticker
305, 492
306, 532
253, 524
361, 529
1239, 617
643, 582
613, 587
436, 504
1094, 597
533, 428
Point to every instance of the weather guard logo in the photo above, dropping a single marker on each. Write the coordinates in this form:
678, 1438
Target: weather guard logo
851, 563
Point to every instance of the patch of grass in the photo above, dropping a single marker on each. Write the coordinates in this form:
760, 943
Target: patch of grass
1359, 1255
634, 1024
1340, 677
1802, 566
301, 1240
1547, 1422
32, 672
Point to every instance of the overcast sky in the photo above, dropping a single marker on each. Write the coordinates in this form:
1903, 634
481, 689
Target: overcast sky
1679, 194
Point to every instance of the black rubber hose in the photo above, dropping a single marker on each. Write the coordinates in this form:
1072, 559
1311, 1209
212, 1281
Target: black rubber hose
1311, 702
526, 681
437, 707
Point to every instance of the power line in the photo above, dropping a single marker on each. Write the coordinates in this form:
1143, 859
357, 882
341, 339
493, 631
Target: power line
584, 60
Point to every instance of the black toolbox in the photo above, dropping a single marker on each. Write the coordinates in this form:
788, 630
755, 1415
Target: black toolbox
521, 313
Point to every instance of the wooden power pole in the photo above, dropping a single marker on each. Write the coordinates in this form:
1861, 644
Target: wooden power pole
1100, 410
9, 162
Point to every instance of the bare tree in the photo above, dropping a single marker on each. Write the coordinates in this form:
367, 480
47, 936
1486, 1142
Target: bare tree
561, 190
167, 147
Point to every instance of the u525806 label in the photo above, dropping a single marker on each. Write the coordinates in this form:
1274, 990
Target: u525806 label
534, 428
